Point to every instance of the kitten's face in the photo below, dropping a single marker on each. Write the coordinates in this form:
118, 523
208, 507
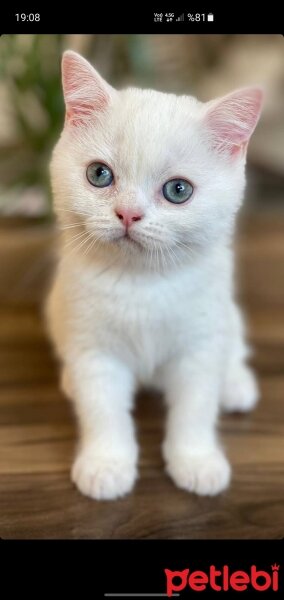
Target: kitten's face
146, 174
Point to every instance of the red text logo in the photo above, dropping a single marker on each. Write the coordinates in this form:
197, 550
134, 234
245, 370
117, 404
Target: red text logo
222, 579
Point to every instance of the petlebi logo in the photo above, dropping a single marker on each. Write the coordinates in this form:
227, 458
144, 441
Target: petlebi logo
222, 579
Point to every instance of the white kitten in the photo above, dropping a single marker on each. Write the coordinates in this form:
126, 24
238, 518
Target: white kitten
146, 187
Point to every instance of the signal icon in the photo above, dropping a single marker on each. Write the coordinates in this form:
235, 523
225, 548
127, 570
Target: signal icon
180, 18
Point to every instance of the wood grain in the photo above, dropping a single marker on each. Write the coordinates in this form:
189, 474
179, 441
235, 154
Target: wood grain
38, 431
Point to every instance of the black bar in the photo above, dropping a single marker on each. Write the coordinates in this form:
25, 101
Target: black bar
100, 18
126, 567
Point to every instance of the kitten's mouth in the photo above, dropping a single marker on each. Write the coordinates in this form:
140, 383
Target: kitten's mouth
128, 239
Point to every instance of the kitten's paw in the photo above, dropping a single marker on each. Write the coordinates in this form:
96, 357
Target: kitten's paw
103, 478
241, 390
206, 475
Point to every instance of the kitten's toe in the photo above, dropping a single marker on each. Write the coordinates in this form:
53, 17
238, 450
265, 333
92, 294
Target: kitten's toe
103, 478
206, 475
241, 392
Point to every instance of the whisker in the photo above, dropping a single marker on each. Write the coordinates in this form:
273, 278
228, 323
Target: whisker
74, 225
84, 237
159, 255
171, 259
75, 238
164, 262
82, 244
88, 249
94, 241
74, 212
188, 250
90, 215
176, 258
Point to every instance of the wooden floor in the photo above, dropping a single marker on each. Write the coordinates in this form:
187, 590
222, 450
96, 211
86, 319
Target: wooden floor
37, 430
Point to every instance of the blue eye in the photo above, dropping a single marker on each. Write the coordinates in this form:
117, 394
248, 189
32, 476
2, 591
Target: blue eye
177, 190
99, 174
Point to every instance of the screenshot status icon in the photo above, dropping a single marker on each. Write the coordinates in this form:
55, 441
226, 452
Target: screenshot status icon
190, 17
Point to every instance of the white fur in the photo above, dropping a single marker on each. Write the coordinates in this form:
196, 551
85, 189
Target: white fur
155, 311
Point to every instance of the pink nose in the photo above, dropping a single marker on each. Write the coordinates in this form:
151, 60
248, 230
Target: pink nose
128, 215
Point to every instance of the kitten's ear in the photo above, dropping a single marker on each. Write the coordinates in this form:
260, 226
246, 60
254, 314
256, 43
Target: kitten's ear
85, 91
233, 118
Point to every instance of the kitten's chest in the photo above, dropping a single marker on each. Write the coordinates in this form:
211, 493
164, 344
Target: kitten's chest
142, 303
147, 319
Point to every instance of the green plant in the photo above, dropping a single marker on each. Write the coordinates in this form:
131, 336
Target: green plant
30, 76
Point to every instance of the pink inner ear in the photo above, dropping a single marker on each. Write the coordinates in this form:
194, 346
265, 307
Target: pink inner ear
232, 119
85, 92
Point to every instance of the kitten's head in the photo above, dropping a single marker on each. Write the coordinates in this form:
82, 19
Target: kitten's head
147, 175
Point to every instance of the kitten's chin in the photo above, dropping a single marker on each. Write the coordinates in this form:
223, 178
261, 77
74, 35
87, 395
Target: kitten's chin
125, 247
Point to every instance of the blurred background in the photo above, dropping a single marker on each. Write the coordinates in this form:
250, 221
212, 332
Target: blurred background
32, 111
37, 431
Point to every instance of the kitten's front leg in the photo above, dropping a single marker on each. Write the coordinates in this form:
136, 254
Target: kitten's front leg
194, 459
101, 388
